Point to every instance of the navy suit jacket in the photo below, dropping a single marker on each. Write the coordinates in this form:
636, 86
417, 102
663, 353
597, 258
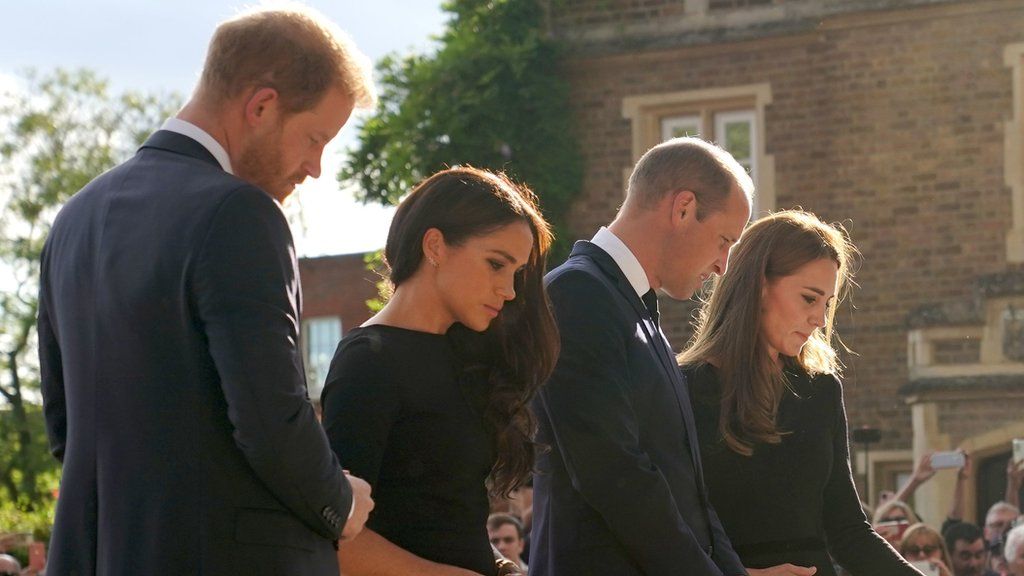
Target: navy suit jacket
620, 491
172, 381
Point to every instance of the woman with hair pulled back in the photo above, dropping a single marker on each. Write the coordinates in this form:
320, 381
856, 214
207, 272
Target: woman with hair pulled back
429, 399
764, 380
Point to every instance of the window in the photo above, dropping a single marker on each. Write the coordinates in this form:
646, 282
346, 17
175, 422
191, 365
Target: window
320, 337
733, 118
1013, 163
734, 130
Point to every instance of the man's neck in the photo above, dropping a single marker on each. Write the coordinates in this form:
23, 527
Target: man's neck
638, 235
211, 123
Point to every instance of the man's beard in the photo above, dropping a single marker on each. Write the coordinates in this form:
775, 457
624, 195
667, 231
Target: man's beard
261, 166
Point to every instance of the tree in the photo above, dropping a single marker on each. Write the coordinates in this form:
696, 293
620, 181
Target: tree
492, 96
62, 131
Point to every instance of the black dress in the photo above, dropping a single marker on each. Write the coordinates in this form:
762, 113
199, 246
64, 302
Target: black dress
401, 414
795, 501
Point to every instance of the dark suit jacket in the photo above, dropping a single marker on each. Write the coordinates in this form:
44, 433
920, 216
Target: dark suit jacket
172, 381
620, 492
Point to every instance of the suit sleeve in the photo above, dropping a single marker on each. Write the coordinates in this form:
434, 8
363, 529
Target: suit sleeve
725, 557
51, 371
245, 287
596, 432
852, 541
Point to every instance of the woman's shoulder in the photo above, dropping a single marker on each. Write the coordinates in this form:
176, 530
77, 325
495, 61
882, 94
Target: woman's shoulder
825, 385
702, 380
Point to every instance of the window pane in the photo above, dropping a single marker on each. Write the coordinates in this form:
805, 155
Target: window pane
679, 126
321, 336
737, 140
736, 131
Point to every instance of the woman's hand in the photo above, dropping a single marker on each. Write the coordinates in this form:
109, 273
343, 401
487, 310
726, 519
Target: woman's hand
783, 570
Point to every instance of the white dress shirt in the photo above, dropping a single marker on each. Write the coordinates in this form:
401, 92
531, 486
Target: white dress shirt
196, 133
606, 240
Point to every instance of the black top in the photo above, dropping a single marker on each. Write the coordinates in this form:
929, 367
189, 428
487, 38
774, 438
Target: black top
784, 502
399, 415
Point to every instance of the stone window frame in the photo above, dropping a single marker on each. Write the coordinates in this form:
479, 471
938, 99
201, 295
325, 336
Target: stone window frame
1013, 161
646, 112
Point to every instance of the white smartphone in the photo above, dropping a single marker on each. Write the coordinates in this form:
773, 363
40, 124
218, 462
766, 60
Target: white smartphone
953, 459
927, 567
1018, 450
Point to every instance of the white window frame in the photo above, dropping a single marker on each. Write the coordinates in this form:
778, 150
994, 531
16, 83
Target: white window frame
310, 329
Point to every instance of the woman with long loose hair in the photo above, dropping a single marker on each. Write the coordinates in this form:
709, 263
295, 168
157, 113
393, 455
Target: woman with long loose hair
763, 376
429, 399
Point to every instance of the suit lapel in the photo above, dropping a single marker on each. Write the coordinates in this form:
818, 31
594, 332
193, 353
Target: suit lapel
661, 347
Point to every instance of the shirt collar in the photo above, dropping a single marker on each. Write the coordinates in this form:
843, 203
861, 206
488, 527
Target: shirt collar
196, 133
606, 240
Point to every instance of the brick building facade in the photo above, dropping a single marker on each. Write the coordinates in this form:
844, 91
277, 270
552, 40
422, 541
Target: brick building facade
901, 119
335, 290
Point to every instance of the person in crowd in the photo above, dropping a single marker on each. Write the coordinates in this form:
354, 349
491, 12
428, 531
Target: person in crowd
621, 491
169, 319
921, 542
1013, 551
507, 534
771, 420
9, 565
967, 549
998, 520
892, 519
429, 399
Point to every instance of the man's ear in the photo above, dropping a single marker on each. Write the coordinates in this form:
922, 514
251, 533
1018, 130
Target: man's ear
684, 207
262, 106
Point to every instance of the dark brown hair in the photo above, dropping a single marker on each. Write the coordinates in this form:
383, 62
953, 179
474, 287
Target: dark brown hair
518, 351
729, 324
292, 49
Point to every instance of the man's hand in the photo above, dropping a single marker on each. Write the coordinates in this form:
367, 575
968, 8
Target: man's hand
783, 570
362, 505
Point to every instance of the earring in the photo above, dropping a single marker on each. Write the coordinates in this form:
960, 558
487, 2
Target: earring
432, 261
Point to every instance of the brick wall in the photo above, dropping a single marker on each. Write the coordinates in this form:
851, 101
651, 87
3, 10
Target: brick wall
893, 126
337, 286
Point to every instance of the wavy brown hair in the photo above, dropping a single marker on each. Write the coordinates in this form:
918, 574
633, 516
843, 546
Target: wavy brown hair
728, 326
518, 350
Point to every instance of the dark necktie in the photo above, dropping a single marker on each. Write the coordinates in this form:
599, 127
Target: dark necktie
651, 302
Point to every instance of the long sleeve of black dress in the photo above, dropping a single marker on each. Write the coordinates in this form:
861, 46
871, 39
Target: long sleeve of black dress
397, 415
792, 502
852, 541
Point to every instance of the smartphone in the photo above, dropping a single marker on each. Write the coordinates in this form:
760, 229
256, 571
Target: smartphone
892, 529
1018, 450
953, 459
927, 567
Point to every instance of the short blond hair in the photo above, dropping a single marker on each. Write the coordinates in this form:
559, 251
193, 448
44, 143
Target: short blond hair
289, 47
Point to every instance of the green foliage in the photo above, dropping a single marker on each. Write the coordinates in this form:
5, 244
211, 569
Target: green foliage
375, 263
59, 133
492, 96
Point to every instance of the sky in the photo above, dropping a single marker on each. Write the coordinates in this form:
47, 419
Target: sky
159, 46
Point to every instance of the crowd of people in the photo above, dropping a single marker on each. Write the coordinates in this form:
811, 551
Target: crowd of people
957, 547
494, 417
